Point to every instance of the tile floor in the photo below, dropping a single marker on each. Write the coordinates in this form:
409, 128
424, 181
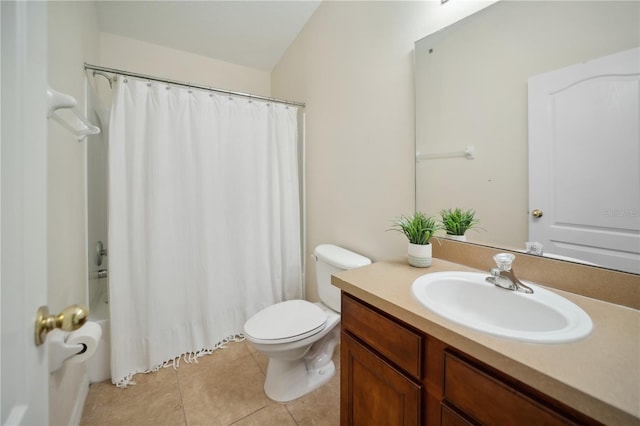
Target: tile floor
224, 388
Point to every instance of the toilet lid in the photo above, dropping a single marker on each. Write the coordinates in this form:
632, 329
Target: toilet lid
286, 321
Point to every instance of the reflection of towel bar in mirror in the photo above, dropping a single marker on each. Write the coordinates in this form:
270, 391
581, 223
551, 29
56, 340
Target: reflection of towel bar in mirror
56, 101
467, 153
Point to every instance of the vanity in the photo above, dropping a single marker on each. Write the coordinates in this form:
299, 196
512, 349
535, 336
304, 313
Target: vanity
402, 364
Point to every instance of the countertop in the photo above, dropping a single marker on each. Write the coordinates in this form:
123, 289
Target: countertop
598, 375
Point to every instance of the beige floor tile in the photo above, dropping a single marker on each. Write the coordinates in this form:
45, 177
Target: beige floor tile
221, 392
259, 357
262, 360
154, 400
250, 347
272, 415
223, 388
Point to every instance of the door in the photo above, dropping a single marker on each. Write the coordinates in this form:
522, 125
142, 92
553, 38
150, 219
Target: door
24, 375
584, 156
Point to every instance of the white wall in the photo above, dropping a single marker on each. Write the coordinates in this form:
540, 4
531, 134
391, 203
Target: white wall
146, 58
353, 66
73, 39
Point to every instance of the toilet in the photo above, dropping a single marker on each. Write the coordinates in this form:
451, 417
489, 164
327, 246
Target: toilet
299, 336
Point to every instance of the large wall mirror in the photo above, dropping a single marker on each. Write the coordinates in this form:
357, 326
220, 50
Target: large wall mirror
471, 82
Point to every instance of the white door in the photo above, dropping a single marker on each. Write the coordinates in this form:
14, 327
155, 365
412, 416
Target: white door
23, 199
584, 161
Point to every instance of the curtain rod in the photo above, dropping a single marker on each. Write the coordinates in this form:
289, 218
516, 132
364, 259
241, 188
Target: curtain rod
182, 83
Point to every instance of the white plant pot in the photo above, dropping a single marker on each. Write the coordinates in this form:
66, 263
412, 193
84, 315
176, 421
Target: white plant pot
457, 237
419, 255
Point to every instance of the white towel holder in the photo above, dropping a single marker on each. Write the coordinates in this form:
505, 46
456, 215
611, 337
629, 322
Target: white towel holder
468, 153
57, 100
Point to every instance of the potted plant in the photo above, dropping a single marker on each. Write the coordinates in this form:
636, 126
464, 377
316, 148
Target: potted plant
457, 221
419, 229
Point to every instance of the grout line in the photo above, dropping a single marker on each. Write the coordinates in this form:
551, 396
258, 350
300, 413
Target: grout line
249, 415
184, 412
290, 414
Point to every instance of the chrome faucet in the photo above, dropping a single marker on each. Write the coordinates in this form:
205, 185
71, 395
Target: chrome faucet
503, 275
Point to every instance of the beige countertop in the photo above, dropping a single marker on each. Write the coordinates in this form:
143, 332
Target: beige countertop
598, 375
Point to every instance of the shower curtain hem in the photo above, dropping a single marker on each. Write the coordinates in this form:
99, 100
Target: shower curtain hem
187, 357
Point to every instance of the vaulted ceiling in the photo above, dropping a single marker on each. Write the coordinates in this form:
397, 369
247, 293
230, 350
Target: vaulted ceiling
250, 33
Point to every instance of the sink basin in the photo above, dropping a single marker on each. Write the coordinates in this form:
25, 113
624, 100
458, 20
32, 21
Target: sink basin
467, 299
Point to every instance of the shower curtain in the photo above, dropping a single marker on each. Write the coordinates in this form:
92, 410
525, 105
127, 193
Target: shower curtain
204, 220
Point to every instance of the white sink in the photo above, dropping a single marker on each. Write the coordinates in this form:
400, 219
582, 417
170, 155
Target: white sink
467, 299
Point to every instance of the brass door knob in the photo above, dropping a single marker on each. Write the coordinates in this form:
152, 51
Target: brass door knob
71, 318
536, 213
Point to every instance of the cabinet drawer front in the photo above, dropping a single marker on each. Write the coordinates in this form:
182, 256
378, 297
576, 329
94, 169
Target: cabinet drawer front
398, 344
490, 401
451, 418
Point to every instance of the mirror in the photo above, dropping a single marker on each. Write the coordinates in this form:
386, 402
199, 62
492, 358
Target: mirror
471, 92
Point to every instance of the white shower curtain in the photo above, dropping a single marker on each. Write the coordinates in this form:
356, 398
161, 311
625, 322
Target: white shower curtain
204, 220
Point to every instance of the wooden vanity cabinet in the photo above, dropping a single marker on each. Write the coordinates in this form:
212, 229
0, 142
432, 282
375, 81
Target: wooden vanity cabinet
381, 369
393, 374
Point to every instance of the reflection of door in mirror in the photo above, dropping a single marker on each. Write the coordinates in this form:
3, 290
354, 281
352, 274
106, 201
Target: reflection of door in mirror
584, 150
471, 89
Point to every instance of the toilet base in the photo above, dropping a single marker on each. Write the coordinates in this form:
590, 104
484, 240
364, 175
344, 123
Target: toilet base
289, 380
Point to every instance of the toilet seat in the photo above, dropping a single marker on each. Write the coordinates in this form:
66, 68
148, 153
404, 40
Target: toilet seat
285, 322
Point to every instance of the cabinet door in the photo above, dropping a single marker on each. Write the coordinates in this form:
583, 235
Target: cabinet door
372, 391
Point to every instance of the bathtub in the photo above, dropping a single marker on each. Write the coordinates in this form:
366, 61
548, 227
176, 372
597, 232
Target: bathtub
99, 365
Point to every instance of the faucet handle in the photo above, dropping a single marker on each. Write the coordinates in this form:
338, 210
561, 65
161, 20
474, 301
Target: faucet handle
534, 247
504, 261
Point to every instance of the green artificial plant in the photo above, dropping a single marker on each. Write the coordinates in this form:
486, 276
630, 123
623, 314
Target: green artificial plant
457, 221
418, 228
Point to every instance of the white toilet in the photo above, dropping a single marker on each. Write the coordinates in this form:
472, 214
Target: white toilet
299, 336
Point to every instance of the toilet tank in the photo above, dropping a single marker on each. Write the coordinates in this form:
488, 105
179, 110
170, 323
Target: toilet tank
331, 259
